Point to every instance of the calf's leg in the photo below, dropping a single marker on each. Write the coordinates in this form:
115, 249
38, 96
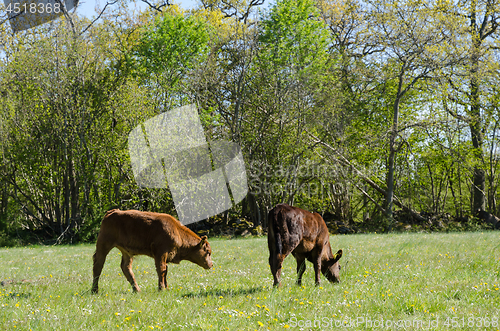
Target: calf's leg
99, 258
301, 268
127, 271
317, 272
162, 269
317, 269
276, 263
272, 265
274, 245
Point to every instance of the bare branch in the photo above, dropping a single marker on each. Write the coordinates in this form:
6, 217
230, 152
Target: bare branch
99, 16
158, 8
379, 207
452, 113
418, 124
67, 16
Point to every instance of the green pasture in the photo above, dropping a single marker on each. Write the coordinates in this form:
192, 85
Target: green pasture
390, 281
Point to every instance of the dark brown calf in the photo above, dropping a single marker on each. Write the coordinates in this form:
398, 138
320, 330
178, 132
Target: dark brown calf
159, 236
305, 235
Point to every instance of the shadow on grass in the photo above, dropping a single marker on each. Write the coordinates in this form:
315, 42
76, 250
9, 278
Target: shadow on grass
225, 293
16, 295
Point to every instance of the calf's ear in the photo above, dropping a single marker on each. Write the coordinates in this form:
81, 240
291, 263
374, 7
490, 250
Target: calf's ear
337, 255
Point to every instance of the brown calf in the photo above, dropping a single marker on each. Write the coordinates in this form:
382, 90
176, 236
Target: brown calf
159, 236
305, 235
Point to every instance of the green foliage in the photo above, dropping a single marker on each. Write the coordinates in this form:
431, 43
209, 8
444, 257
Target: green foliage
287, 79
320, 95
170, 47
66, 125
294, 38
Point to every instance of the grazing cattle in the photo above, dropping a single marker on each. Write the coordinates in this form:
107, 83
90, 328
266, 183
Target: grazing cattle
159, 236
305, 235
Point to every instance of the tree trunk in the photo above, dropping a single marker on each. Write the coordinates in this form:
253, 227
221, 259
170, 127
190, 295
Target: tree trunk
253, 209
3, 205
475, 125
392, 148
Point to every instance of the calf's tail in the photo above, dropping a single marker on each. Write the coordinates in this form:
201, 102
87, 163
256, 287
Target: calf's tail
274, 231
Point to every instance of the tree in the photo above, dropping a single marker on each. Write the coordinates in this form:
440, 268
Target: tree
58, 107
287, 80
413, 53
478, 39
166, 52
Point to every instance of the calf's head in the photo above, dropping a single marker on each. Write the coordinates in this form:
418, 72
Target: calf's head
202, 254
331, 268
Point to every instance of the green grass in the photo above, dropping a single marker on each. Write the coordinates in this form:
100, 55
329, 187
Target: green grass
412, 278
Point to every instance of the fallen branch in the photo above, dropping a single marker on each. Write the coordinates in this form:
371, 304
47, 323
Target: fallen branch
379, 207
370, 182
